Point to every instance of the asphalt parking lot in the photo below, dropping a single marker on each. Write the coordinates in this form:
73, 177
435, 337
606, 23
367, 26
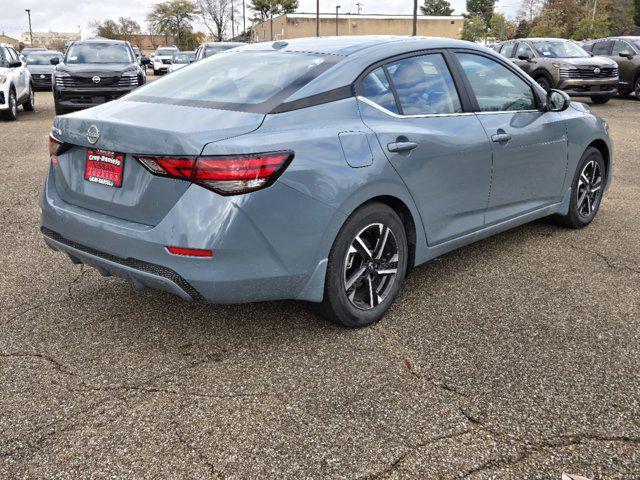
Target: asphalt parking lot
516, 357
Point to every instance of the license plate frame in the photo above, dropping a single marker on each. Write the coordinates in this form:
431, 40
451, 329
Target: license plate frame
104, 167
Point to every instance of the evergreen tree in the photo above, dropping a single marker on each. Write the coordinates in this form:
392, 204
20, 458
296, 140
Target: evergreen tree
438, 8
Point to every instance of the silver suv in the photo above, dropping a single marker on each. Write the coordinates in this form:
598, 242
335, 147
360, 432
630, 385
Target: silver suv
563, 64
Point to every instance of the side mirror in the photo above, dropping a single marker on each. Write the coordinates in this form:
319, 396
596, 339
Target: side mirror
557, 101
54, 60
525, 56
15, 64
626, 54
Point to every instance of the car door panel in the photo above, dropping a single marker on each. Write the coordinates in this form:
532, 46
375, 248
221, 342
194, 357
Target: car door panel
529, 145
529, 169
448, 174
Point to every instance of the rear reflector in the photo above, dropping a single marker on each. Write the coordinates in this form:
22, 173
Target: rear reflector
227, 175
190, 252
56, 147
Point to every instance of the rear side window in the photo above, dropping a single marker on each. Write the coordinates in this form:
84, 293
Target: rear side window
424, 85
621, 46
375, 87
246, 81
602, 48
507, 49
588, 47
496, 88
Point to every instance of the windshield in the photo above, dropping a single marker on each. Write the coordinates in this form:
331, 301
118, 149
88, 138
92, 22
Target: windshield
212, 50
559, 49
165, 52
41, 58
182, 57
250, 81
98, 53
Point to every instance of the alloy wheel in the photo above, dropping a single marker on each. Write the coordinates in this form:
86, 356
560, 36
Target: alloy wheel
371, 266
589, 191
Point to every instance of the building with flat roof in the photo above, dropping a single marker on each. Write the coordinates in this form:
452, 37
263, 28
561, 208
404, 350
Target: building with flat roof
300, 25
9, 41
52, 40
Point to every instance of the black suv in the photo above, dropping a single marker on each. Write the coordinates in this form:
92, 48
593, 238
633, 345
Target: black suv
625, 51
94, 72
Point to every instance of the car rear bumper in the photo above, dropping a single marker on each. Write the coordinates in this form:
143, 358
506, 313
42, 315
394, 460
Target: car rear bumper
590, 88
252, 258
79, 98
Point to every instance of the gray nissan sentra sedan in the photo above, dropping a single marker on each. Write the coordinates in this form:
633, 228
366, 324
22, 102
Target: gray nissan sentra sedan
317, 169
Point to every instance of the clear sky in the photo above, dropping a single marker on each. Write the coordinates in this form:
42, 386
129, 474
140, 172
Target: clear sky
68, 15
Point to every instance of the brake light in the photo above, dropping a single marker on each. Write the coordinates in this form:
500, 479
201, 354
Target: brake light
56, 147
190, 252
226, 175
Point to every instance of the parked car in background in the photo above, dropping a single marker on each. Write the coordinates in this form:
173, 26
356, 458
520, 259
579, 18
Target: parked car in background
29, 50
94, 72
319, 169
207, 49
161, 59
625, 51
563, 64
41, 69
181, 59
137, 53
16, 87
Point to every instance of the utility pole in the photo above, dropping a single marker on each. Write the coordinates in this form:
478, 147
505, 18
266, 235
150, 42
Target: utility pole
244, 19
415, 17
337, 8
233, 28
317, 18
359, 7
28, 10
271, 17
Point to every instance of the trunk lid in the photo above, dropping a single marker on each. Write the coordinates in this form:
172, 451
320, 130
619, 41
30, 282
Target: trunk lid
131, 128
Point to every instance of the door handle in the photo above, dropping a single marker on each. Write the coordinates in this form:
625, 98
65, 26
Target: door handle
397, 147
501, 137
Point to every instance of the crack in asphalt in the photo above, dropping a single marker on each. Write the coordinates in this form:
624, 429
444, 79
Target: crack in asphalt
56, 364
606, 259
410, 451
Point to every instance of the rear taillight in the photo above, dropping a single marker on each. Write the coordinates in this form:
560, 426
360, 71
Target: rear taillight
226, 175
56, 147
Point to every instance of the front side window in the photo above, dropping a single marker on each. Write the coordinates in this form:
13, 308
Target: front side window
254, 81
98, 53
13, 55
375, 87
424, 85
210, 50
559, 49
496, 87
524, 49
621, 46
602, 48
507, 49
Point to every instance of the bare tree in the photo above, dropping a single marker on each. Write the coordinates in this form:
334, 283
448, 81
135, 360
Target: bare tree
216, 16
530, 9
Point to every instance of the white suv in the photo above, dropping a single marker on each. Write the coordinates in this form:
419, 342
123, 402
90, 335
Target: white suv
161, 59
16, 87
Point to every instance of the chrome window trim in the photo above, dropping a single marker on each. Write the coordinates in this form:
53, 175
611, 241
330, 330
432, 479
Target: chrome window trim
396, 115
436, 115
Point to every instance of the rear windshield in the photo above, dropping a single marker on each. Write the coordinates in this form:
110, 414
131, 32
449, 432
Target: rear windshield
248, 81
212, 50
98, 53
559, 49
41, 58
182, 57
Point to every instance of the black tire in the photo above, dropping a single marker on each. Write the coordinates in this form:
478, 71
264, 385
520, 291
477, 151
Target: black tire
30, 104
636, 87
600, 100
370, 223
12, 112
60, 110
576, 218
544, 82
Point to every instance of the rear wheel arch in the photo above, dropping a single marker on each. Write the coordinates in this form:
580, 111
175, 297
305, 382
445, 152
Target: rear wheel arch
408, 220
543, 73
